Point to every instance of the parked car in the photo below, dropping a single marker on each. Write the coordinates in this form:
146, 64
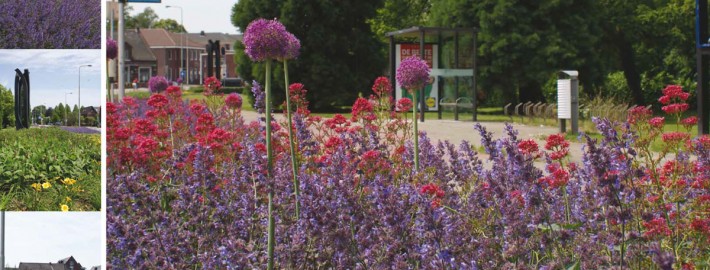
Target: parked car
235, 82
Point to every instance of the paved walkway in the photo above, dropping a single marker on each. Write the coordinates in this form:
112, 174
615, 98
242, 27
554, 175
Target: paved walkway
457, 131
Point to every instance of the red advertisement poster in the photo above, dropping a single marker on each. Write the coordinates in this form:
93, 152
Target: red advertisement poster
410, 49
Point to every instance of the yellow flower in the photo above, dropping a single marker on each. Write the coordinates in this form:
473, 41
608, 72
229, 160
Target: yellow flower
37, 186
67, 199
68, 181
65, 208
46, 185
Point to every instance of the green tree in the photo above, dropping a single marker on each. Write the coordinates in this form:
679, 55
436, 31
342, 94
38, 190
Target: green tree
652, 40
145, 19
37, 112
170, 25
340, 56
399, 14
521, 43
7, 108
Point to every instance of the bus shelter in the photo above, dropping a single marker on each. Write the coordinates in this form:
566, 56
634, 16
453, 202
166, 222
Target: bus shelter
450, 53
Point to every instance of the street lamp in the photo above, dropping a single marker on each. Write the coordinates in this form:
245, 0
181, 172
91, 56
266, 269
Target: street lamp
65, 104
182, 56
79, 94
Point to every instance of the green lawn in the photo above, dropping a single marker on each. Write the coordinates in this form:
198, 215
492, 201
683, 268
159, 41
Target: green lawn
46, 169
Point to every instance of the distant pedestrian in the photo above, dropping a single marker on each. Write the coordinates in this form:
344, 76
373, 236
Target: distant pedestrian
135, 84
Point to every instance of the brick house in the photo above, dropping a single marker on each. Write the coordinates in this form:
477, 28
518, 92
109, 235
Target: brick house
140, 62
227, 42
68, 263
167, 48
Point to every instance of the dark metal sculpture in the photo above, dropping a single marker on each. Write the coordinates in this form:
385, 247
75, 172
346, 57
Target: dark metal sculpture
22, 99
214, 55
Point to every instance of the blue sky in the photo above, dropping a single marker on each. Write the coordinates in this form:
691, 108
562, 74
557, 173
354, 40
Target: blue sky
51, 236
53, 73
210, 16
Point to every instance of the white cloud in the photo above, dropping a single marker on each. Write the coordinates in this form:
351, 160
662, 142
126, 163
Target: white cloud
50, 236
51, 60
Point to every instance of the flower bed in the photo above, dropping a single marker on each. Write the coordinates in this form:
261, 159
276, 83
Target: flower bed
50, 170
188, 185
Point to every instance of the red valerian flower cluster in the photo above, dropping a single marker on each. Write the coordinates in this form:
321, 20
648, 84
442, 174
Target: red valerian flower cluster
528, 147
656, 227
363, 109
639, 114
558, 145
435, 192
382, 87
297, 94
657, 122
674, 93
233, 101
212, 85
404, 104
558, 176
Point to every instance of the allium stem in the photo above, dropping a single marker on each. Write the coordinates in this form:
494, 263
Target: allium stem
416, 131
269, 165
294, 161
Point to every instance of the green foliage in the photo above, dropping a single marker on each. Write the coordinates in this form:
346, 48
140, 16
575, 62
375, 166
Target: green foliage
622, 48
149, 19
170, 25
340, 56
7, 108
521, 44
50, 155
399, 14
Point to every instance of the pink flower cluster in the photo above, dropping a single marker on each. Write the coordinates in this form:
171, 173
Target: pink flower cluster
674, 93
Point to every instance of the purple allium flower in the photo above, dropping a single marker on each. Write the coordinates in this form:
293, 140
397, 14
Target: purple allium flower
157, 84
111, 49
293, 49
413, 73
266, 39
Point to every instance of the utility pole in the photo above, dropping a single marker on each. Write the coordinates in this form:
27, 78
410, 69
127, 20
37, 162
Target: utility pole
121, 47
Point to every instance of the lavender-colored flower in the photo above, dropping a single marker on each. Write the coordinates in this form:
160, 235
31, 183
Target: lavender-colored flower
111, 49
157, 84
413, 73
57, 24
266, 39
259, 96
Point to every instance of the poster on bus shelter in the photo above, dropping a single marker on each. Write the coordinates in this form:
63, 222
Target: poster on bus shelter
431, 93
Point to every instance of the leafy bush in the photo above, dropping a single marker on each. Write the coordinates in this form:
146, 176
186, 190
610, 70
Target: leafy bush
32, 157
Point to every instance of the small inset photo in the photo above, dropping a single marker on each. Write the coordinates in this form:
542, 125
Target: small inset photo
50, 240
50, 130
55, 24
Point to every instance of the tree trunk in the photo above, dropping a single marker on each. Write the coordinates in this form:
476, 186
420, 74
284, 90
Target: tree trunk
531, 91
628, 65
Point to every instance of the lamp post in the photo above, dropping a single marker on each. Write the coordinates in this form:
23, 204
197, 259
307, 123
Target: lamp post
183, 63
65, 104
79, 94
